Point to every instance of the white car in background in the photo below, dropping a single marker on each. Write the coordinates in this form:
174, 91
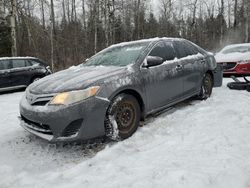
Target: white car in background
235, 59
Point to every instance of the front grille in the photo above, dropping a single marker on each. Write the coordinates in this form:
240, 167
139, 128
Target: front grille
38, 100
41, 103
228, 65
39, 127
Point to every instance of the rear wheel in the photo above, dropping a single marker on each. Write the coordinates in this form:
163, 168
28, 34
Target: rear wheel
206, 87
248, 87
122, 117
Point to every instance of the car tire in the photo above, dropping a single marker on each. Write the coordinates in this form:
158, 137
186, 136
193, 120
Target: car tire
237, 85
122, 117
206, 87
248, 87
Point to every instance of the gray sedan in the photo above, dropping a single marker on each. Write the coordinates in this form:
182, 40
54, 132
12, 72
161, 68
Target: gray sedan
109, 94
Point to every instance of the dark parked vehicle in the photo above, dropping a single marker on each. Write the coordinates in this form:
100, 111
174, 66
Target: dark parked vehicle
19, 72
110, 93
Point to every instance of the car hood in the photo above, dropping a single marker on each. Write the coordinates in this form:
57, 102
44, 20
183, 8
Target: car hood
232, 57
74, 78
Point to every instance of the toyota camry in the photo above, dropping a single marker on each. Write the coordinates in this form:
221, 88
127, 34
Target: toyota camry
110, 93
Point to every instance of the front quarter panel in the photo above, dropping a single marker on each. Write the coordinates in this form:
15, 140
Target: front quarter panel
120, 83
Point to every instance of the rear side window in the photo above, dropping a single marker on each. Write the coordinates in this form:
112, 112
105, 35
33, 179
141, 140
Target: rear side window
18, 63
165, 51
192, 48
5, 64
34, 63
183, 50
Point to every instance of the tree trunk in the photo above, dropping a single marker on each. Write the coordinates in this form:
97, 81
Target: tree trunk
235, 13
42, 10
138, 19
13, 27
64, 12
222, 22
53, 33
1, 10
84, 15
246, 5
96, 12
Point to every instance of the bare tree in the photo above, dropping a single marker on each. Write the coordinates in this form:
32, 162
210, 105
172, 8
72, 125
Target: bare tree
52, 21
246, 5
235, 13
42, 13
1, 9
13, 27
222, 8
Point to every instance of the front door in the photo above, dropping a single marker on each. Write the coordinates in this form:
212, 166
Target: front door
20, 73
163, 83
5, 78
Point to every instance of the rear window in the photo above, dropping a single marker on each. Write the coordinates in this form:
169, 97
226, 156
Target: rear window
5, 64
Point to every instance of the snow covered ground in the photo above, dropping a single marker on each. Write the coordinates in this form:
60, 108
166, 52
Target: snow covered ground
197, 144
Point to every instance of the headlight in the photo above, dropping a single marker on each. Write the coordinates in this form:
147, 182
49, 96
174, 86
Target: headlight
71, 97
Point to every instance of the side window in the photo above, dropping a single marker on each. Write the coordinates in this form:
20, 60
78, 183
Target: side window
182, 49
170, 52
194, 50
5, 64
158, 50
34, 63
18, 63
166, 52
28, 63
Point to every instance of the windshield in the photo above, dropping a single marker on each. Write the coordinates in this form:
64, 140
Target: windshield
118, 55
239, 49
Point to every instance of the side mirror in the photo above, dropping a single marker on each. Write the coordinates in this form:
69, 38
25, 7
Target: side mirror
153, 61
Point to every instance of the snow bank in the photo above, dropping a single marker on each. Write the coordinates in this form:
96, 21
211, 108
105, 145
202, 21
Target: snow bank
196, 144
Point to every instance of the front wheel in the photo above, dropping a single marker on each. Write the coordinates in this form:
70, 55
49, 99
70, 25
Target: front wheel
122, 117
206, 87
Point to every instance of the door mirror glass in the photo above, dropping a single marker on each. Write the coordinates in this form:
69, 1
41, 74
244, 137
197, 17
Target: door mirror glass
153, 61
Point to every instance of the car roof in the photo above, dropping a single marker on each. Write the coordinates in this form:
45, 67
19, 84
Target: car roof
11, 58
236, 45
147, 40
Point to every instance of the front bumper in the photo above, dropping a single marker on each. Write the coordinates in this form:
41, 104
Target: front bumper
80, 121
239, 69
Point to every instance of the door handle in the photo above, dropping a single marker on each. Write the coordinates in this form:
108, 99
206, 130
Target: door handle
203, 61
179, 67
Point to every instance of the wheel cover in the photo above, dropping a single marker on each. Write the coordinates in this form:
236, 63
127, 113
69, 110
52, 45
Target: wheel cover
125, 116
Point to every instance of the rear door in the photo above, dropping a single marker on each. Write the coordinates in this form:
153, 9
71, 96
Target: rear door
20, 73
192, 63
5, 78
163, 83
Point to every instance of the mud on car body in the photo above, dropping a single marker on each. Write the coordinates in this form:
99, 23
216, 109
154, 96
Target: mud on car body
111, 92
